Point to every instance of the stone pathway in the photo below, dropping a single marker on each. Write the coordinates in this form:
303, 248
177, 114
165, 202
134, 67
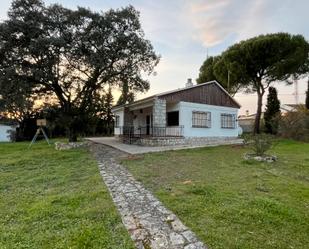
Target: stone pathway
149, 223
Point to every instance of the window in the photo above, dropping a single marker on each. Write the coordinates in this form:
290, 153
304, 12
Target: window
172, 118
228, 121
117, 121
201, 119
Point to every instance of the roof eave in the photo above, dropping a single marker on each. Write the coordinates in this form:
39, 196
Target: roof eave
116, 108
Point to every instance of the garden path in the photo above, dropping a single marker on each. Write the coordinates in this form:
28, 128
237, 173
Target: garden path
149, 223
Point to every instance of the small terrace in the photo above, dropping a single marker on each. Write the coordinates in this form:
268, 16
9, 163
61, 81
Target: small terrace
133, 134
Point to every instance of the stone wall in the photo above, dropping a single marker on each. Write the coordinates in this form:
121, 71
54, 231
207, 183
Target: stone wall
161, 141
190, 141
159, 113
127, 117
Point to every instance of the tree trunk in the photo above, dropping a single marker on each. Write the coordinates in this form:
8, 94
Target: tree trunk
68, 122
72, 136
258, 113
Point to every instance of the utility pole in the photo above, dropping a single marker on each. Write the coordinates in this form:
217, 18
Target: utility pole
228, 80
296, 91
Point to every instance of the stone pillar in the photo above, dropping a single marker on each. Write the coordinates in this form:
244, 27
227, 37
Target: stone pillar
159, 113
127, 117
127, 129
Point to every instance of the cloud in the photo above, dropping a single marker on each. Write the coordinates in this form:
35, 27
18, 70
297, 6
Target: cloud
210, 5
214, 21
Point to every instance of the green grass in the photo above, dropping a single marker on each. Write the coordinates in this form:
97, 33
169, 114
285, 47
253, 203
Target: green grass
232, 203
55, 199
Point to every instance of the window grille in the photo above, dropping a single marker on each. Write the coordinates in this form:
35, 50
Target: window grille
228, 121
201, 119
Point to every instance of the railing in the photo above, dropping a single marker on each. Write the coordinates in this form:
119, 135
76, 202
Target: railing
131, 133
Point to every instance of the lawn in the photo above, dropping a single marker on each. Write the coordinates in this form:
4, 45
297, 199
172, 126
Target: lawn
232, 203
55, 199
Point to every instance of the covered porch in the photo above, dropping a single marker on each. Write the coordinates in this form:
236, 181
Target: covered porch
153, 118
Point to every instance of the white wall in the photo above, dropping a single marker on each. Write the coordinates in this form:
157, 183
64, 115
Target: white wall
140, 118
120, 113
4, 135
185, 119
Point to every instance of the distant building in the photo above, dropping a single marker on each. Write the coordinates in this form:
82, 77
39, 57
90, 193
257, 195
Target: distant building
289, 107
246, 122
6, 127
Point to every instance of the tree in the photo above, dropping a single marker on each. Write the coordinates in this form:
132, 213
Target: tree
207, 70
73, 55
108, 105
272, 111
207, 73
307, 96
15, 101
257, 62
127, 95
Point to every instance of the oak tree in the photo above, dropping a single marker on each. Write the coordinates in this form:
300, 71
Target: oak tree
72, 55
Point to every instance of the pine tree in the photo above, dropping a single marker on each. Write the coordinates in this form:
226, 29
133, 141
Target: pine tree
272, 111
307, 96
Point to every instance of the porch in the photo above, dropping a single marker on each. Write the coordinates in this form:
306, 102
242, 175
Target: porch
154, 118
135, 134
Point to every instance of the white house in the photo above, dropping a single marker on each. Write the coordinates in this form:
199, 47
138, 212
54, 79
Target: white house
195, 111
5, 132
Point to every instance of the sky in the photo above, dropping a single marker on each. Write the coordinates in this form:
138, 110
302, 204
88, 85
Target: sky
183, 32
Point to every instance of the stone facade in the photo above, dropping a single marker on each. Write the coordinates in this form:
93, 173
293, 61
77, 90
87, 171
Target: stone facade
159, 113
161, 141
189, 141
128, 117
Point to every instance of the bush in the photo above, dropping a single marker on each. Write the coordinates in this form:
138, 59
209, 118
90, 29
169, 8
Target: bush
260, 143
295, 124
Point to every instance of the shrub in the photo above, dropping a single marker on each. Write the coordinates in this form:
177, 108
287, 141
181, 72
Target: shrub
295, 124
259, 143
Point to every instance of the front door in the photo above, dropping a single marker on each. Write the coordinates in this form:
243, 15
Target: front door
147, 124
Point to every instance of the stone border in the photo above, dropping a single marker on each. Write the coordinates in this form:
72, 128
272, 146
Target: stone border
265, 158
68, 146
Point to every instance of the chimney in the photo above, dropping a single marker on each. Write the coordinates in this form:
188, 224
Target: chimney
189, 83
247, 112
